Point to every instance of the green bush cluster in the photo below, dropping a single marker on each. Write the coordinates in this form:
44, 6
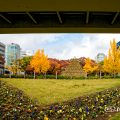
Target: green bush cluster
58, 77
38, 77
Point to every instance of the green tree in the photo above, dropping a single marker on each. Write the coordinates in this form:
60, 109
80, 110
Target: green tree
24, 62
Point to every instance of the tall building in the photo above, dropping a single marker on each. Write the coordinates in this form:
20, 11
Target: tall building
12, 53
118, 44
100, 57
22, 54
2, 57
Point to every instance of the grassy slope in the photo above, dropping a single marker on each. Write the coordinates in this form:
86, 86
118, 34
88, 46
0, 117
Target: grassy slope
51, 91
116, 117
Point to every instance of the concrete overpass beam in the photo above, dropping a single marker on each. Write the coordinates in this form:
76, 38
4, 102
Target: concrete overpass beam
6, 19
31, 17
87, 17
114, 18
59, 17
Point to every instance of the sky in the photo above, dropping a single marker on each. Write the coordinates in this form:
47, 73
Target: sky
63, 45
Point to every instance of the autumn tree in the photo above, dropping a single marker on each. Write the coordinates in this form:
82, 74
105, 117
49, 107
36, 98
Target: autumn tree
29, 69
54, 67
40, 62
112, 61
14, 67
73, 69
64, 64
89, 67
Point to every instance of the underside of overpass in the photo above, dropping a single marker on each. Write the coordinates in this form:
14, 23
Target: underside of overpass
52, 16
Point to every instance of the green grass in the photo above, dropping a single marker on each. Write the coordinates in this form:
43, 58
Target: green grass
51, 91
116, 117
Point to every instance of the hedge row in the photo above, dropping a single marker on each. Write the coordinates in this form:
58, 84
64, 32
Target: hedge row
40, 77
58, 77
14, 105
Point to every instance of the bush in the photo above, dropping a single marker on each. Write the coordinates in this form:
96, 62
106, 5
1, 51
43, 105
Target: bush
29, 76
107, 77
50, 76
93, 77
117, 77
40, 76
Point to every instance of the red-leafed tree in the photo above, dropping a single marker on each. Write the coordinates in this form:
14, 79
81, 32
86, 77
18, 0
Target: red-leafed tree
57, 65
54, 66
64, 64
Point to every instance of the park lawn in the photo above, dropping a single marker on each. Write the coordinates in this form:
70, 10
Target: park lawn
116, 117
51, 91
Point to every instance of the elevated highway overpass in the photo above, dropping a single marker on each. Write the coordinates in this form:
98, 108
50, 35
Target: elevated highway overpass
60, 16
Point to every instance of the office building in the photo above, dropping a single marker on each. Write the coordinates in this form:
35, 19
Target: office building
2, 57
118, 44
12, 53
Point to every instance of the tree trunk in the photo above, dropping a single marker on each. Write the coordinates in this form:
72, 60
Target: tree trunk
24, 74
100, 74
45, 75
86, 76
34, 74
114, 75
56, 74
10, 74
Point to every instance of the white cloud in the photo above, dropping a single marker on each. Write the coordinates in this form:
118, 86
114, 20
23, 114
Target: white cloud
63, 46
89, 45
28, 41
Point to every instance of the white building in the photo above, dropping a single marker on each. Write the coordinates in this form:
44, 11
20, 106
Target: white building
100, 57
27, 53
2, 57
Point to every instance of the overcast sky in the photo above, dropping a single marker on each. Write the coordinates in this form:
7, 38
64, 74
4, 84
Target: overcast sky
63, 46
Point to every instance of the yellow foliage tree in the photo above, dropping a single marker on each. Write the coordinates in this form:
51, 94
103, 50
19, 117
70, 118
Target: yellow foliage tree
14, 68
88, 67
112, 61
40, 62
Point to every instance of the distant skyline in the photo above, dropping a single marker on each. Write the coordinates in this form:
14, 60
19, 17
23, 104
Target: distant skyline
63, 45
